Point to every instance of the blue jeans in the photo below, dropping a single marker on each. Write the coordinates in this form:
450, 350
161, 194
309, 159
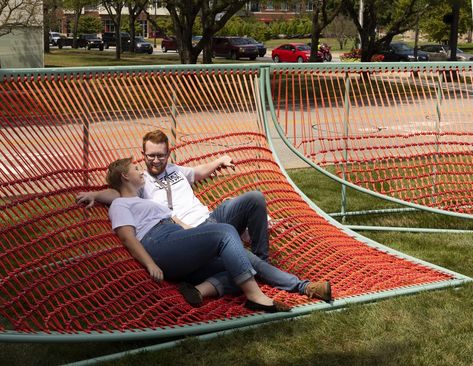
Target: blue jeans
215, 273
248, 210
180, 252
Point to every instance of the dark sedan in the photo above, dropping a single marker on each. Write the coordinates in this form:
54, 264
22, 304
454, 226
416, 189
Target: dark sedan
142, 46
399, 51
261, 47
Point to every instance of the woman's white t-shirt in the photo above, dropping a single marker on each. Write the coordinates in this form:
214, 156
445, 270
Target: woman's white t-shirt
140, 213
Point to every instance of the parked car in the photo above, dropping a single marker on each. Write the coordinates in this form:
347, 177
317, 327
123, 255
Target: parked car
196, 39
55, 38
109, 39
399, 51
84, 40
169, 43
439, 52
234, 48
259, 45
291, 52
90, 41
142, 46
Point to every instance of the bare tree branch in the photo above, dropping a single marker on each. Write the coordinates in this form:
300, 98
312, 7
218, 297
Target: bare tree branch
19, 14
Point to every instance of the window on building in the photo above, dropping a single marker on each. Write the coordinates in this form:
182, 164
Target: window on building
309, 5
90, 8
296, 8
283, 6
108, 25
254, 6
269, 5
144, 28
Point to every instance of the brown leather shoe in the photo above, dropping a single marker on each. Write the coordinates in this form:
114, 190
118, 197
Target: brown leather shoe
319, 290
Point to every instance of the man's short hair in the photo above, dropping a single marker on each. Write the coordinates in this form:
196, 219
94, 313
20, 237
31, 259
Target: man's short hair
156, 137
115, 171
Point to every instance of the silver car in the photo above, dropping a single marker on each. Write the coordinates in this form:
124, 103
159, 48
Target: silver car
439, 52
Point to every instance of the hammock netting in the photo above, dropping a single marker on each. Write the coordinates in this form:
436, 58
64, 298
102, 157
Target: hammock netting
404, 133
63, 270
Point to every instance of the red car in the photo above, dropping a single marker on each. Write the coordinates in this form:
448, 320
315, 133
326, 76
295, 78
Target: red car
291, 52
169, 44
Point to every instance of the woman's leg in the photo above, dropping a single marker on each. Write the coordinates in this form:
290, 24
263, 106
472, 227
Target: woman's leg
180, 252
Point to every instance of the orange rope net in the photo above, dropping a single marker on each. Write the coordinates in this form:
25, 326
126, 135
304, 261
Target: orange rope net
63, 269
404, 134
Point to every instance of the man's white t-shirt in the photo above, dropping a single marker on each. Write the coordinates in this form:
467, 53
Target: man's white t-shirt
186, 206
140, 213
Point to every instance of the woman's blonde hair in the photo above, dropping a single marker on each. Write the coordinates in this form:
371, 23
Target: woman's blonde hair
115, 171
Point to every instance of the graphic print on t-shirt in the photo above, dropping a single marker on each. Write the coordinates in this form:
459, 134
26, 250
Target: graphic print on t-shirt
172, 178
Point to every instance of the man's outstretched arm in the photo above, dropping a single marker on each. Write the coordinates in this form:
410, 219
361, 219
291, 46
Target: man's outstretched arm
205, 170
104, 196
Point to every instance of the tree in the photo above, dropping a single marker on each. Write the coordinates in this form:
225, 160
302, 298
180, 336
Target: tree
213, 15
89, 24
393, 16
15, 14
453, 39
134, 10
49, 19
76, 6
323, 14
342, 29
114, 8
433, 23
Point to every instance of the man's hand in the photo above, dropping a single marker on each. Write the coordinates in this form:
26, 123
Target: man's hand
155, 272
86, 198
226, 162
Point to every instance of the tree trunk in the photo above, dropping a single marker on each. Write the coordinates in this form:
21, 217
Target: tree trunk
453, 43
46, 27
315, 37
118, 37
208, 53
77, 13
131, 20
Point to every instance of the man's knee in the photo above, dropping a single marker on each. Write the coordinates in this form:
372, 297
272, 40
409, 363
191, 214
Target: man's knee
227, 230
256, 198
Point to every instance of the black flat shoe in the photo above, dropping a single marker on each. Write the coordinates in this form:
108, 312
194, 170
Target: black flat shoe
191, 294
277, 307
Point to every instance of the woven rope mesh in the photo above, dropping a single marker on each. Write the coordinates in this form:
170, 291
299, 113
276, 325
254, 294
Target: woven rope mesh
62, 268
404, 134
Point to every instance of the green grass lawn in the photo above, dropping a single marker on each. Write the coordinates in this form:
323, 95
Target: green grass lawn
432, 328
68, 57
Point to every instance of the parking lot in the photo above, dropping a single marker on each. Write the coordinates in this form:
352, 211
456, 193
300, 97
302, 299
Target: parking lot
157, 52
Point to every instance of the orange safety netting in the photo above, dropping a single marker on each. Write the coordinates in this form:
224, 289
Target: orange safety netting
62, 268
403, 133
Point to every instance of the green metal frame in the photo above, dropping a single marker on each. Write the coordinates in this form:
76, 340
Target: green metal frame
232, 323
367, 67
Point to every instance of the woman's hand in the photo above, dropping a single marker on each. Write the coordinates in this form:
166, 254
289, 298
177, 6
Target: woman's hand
155, 272
87, 198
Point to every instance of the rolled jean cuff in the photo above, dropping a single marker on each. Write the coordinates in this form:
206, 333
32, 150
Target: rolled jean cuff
245, 276
217, 284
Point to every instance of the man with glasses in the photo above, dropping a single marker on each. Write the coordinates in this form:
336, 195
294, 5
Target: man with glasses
170, 185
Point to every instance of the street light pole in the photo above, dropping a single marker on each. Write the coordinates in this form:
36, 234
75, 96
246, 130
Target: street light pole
155, 2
